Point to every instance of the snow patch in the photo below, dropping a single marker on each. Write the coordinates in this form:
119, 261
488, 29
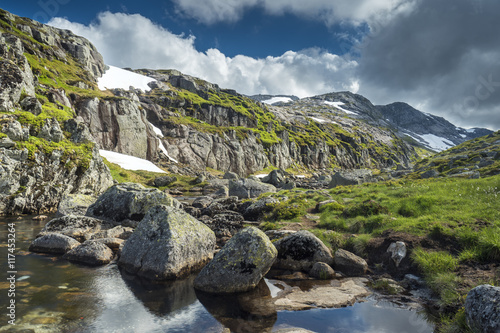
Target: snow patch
128, 162
471, 130
322, 121
277, 100
164, 150
120, 78
261, 175
436, 142
157, 131
338, 106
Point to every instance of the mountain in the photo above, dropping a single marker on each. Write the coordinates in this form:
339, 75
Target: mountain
432, 131
419, 128
61, 106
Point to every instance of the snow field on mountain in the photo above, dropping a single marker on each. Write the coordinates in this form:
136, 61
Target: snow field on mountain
120, 78
277, 99
338, 106
128, 162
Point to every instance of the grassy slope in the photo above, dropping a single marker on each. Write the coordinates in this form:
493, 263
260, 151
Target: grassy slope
464, 212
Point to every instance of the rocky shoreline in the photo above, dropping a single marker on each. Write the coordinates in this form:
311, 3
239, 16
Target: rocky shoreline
150, 234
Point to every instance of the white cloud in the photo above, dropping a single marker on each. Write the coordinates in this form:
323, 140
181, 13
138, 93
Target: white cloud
134, 41
355, 11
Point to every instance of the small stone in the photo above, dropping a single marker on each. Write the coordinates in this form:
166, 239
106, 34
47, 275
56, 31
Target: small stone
349, 263
322, 271
397, 251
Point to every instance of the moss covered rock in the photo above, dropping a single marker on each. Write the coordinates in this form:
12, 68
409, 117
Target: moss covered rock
167, 244
240, 265
128, 203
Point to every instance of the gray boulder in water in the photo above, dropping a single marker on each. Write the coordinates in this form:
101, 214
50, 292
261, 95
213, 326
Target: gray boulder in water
167, 244
53, 243
482, 309
91, 253
127, 203
240, 265
80, 228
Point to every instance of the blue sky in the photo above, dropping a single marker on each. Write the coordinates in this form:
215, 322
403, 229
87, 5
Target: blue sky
440, 56
255, 34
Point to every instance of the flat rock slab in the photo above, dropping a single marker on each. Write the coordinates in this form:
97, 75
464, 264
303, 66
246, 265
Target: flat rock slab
336, 295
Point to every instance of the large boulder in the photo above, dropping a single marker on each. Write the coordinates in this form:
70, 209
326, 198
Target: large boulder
276, 178
53, 243
80, 228
240, 265
74, 204
247, 188
349, 263
93, 253
300, 251
351, 177
482, 309
167, 244
127, 203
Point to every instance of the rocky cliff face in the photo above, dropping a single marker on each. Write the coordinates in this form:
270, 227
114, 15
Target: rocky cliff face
54, 118
44, 152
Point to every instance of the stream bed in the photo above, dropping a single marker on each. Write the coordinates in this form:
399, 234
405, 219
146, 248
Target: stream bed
54, 295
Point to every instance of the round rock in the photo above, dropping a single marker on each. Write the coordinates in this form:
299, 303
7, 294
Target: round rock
91, 253
240, 265
53, 243
322, 271
300, 251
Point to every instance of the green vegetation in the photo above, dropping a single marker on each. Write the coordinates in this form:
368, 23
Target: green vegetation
72, 155
464, 157
455, 222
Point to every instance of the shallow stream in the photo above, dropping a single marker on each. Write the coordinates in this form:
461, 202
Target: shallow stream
54, 295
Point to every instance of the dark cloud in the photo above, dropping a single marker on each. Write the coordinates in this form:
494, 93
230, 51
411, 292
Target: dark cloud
442, 57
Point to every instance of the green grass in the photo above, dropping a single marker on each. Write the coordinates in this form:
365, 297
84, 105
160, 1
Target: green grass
73, 155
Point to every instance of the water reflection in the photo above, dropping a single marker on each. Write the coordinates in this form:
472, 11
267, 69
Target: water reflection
241, 313
60, 296
161, 298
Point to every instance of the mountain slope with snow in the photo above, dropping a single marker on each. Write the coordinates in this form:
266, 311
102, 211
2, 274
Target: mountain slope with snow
115, 77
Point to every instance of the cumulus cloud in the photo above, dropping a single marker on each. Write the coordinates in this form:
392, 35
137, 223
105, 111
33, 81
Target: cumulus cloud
441, 57
354, 11
134, 41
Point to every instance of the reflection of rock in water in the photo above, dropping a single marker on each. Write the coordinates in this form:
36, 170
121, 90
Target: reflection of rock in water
161, 298
252, 311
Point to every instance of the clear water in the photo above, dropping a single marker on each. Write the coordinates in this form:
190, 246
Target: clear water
53, 295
